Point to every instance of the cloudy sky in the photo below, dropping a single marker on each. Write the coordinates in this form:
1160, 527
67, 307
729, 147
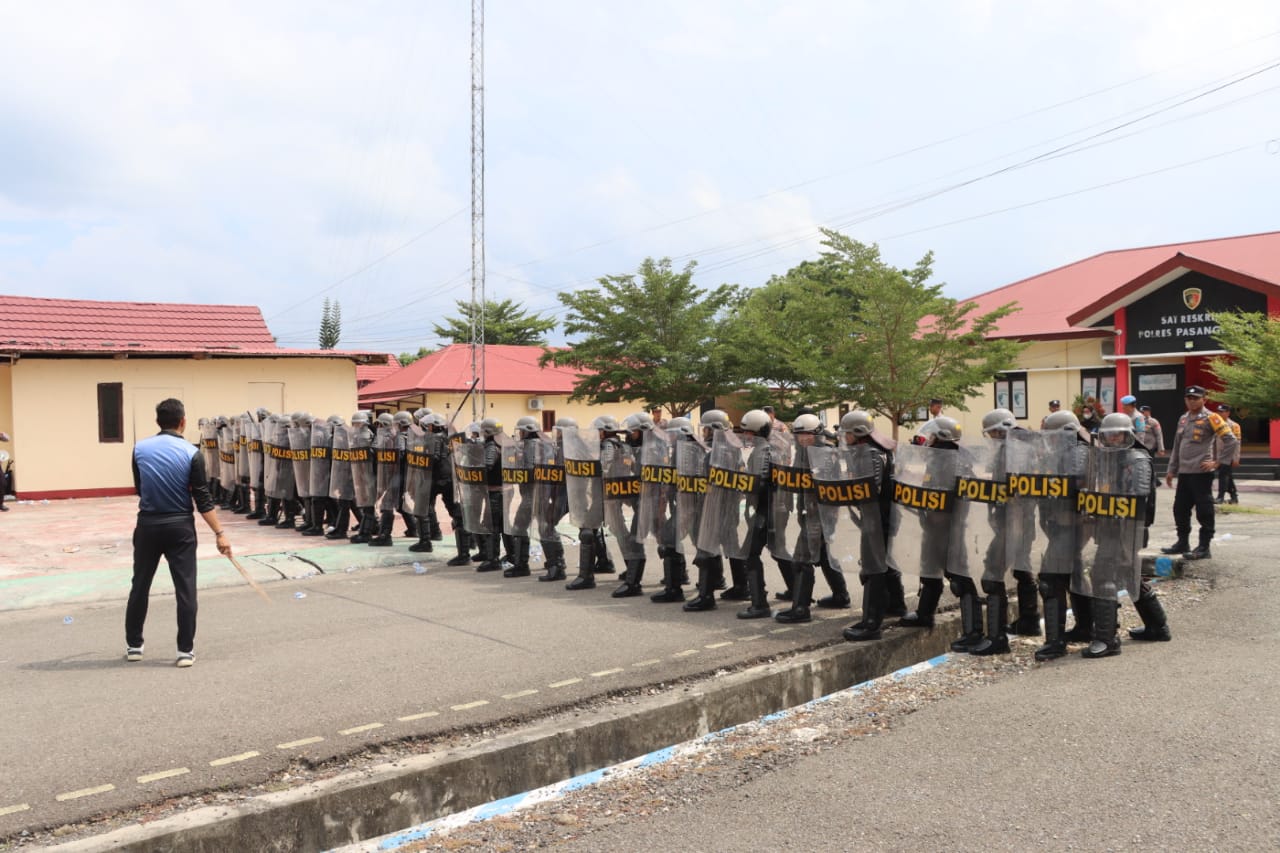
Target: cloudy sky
275, 153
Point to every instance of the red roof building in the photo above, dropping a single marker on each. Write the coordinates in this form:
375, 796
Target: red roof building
508, 370
369, 373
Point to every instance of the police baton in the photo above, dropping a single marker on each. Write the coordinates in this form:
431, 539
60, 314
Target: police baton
259, 590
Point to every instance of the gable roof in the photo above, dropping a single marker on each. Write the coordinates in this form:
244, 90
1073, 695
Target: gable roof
33, 325
508, 370
1052, 303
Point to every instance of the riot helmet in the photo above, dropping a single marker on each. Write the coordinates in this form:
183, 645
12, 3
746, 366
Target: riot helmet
997, 423
360, 419
639, 421
566, 422
684, 426
714, 420
263, 413
527, 426
807, 424
403, 419
489, 427
419, 414
857, 424
1063, 420
757, 421
944, 429
605, 423
335, 420
386, 419
1116, 431
438, 423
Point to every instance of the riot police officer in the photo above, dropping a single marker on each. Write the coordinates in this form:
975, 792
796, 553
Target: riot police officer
1195, 456
443, 485
518, 482
553, 504
756, 425
934, 528
620, 464
490, 544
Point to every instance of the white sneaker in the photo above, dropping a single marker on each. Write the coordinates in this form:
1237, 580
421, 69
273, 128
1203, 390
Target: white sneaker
185, 659
133, 655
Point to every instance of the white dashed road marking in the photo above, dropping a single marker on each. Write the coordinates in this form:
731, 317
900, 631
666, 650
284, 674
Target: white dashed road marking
566, 682
84, 792
421, 716
367, 727
20, 807
296, 743
469, 705
519, 694
232, 759
163, 774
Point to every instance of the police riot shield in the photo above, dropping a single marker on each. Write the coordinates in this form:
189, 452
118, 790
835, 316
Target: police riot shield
795, 531
518, 487
255, 454
473, 492
733, 489
227, 456
549, 496
300, 453
657, 513
584, 487
341, 482
1112, 501
209, 447
980, 522
620, 468
321, 458
847, 482
242, 446
418, 462
924, 498
364, 478
691, 488
284, 471
387, 464
270, 458
1038, 468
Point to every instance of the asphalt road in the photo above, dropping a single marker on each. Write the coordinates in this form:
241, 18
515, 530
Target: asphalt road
372, 655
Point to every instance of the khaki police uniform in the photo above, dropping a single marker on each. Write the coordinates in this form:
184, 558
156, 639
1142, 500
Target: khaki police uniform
1200, 437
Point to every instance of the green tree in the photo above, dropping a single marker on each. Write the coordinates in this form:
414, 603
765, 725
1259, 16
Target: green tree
407, 358
650, 336
505, 322
1251, 374
330, 324
894, 340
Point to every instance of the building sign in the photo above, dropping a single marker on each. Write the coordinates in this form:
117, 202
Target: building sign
1179, 316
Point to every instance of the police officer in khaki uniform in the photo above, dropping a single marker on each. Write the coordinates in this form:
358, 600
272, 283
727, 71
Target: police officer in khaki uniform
1193, 460
1226, 474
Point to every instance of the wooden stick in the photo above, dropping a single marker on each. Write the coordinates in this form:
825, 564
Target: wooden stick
259, 590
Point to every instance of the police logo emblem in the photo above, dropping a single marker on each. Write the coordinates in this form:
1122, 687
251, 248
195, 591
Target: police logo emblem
1191, 298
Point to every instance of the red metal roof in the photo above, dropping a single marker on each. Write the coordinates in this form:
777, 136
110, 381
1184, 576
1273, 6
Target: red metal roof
31, 324
1047, 301
508, 370
369, 373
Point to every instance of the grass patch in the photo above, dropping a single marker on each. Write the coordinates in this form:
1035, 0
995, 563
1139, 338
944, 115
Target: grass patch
1240, 509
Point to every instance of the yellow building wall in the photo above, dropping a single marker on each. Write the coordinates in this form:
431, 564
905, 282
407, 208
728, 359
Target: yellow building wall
55, 408
509, 408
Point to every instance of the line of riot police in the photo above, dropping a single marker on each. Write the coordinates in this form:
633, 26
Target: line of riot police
942, 510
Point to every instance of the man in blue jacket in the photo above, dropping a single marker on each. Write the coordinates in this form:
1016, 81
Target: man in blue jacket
169, 474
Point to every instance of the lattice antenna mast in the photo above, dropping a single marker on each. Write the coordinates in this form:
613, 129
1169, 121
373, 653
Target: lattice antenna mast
477, 207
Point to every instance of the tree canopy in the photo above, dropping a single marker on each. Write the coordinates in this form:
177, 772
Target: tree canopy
330, 324
505, 322
651, 335
1251, 374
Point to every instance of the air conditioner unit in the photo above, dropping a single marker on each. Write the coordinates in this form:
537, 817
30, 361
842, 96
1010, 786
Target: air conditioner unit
535, 404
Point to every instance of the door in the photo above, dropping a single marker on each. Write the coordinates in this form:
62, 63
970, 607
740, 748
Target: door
1160, 386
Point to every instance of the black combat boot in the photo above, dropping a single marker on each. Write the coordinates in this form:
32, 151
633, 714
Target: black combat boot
1182, 546
366, 526
874, 595
897, 596
553, 550
317, 518
996, 642
930, 595
802, 597
788, 571
1082, 631
839, 597
1201, 551
423, 545
1055, 627
520, 567
1028, 622
738, 591
433, 525
630, 585
386, 520
341, 521
673, 570
462, 540
489, 552
759, 607
970, 621
586, 562
709, 567
604, 563
259, 505
410, 525
289, 516
1105, 642
1155, 626
272, 514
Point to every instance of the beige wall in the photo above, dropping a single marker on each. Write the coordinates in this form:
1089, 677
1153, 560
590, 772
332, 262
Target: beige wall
55, 409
